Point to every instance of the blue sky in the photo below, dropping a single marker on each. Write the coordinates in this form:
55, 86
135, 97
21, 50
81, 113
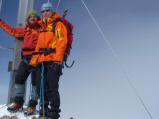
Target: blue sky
96, 86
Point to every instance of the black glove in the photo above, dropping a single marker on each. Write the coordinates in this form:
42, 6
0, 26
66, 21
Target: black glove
31, 68
47, 51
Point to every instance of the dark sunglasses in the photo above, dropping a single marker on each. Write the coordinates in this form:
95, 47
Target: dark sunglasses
45, 11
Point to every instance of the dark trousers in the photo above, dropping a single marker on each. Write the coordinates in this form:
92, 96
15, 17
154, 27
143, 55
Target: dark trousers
52, 72
24, 70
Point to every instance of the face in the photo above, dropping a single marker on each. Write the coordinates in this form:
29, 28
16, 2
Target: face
46, 14
33, 20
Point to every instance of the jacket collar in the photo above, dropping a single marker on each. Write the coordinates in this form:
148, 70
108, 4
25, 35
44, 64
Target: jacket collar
48, 23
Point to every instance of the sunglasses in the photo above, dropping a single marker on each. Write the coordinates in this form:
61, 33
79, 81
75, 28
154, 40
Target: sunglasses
45, 11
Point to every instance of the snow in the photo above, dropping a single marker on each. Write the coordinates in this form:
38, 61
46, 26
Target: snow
19, 115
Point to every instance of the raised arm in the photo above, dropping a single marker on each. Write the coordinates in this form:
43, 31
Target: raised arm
16, 32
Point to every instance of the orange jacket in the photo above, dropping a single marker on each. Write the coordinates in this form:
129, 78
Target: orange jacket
49, 39
28, 34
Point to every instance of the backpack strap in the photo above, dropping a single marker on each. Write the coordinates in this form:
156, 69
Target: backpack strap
56, 21
55, 24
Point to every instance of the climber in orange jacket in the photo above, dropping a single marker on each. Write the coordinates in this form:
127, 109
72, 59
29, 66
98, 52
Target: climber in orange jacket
56, 41
48, 57
29, 35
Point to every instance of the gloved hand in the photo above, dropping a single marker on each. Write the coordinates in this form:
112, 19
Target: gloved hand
47, 51
33, 62
31, 68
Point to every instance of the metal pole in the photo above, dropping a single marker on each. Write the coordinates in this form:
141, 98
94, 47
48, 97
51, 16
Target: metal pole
24, 7
1, 2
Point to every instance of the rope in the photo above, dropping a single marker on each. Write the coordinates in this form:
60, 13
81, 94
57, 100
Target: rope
58, 4
42, 101
117, 59
31, 87
69, 66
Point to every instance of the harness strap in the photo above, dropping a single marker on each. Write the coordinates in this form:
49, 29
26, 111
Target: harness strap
45, 51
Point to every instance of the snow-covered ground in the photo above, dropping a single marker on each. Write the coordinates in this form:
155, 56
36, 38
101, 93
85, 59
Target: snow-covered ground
17, 115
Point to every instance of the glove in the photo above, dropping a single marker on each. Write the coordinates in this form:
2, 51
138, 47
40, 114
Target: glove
31, 68
47, 51
34, 62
